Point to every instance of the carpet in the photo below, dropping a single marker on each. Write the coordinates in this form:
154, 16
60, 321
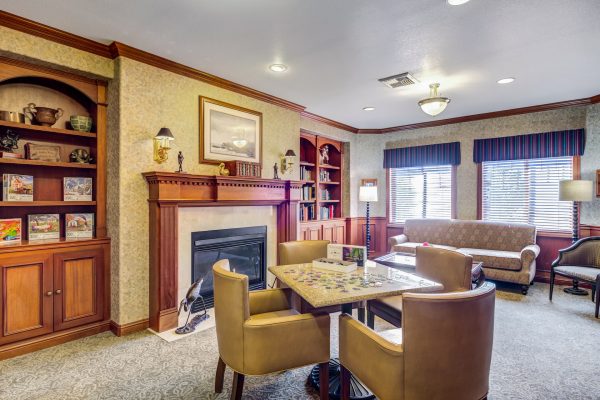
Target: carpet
542, 350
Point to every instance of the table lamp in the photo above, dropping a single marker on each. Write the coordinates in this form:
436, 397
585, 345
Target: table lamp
368, 194
576, 191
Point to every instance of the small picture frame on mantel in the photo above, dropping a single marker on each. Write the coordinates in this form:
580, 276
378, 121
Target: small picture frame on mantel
598, 183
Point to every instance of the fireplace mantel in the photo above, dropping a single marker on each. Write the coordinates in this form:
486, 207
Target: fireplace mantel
168, 191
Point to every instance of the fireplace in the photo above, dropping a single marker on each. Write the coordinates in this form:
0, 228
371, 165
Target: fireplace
245, 248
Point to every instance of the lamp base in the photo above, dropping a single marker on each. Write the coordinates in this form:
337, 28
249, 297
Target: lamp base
576, 291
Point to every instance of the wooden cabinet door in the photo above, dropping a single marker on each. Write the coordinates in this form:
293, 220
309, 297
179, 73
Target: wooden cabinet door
329, 233
340, 233
26, 296
78, 287
311, 232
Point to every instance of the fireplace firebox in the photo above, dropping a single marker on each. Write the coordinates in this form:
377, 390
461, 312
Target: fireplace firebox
245, 248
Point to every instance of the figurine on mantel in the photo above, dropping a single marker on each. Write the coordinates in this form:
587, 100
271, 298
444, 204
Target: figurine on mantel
275, 171
180, 159
222, 170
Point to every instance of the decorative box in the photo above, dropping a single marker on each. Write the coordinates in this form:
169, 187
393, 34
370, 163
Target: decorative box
330, 264
79, 225
43, 226
77, 189
17, 187
346, 252
10, 230
243, 168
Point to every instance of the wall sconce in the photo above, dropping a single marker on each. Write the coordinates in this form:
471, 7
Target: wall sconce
287, 162
162, 145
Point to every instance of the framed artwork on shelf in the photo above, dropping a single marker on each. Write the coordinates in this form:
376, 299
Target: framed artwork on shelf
368, 182
229, 133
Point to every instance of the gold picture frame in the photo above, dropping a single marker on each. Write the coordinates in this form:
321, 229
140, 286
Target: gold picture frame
229, 133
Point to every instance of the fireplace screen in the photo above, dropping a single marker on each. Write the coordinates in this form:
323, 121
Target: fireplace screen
243, 247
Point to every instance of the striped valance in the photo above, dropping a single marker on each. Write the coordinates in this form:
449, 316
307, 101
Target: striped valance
536, 145
420, 156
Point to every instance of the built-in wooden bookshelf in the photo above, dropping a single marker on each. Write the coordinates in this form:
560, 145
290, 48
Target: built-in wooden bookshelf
322, 189
42, 282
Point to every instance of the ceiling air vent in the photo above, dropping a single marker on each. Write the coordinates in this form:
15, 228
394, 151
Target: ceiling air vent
399, 80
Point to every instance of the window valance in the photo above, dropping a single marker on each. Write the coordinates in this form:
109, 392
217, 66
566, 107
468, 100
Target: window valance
536, 145
421, 156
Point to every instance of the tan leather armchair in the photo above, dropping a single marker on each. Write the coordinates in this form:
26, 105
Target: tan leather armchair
259, 333
450, 268
302, 251
442, 351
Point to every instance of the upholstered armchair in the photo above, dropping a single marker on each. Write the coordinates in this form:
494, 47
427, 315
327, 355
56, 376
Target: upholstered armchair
443, 350
302, 251
259, 333
450, 268
580, 262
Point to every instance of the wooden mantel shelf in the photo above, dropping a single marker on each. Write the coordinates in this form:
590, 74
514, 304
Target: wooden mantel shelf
168, 191
190, 190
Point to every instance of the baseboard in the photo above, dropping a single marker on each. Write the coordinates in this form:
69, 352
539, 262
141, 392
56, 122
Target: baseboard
52, 339
129, 328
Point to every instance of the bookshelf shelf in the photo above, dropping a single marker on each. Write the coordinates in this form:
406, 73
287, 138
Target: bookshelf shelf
38, 163
45, 129
46, 203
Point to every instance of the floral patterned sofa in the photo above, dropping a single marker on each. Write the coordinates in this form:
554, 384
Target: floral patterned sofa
507, 250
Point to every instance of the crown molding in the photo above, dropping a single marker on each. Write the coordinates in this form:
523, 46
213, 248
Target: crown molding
329, 122
25, 25
117, 49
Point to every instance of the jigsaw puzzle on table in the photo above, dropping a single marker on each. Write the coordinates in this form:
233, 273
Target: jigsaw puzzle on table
345, 282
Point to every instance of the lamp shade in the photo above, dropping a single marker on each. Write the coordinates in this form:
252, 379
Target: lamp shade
165, 133
576, 190
290, 153
367, 193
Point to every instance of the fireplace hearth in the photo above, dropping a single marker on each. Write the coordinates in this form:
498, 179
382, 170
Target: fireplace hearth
245, 248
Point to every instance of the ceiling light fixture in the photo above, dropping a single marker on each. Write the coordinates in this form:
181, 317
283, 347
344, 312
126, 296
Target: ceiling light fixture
504, 81
434, 104
368, 108
457, 2
278, 67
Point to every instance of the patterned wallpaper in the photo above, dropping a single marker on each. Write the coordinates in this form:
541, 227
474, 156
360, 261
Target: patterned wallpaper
15, 44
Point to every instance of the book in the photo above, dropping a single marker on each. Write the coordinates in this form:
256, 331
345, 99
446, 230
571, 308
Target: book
17, 187
346, 252
79, 225
77, 189
43, 226
6, 154
10, 230
330, 264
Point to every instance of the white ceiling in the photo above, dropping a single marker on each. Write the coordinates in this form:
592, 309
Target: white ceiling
337, 49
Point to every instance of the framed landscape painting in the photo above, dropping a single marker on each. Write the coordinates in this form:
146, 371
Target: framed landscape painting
229, 133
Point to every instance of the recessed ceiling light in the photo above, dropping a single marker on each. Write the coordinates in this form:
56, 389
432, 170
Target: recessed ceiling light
504, 81
457, 2
368, 108
278, 67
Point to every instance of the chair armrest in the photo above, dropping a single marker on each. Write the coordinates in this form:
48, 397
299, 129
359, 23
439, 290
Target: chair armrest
269, 300
582, 252
529, 254
398, 239
281, 343
373, 360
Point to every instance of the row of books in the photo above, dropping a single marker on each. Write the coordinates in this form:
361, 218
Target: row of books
324, 175
307, 212
327, 212
305, 173
309, 193
20, 188
47, 226
325, 195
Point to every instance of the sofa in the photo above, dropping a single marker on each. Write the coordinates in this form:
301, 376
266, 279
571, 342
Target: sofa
507, 250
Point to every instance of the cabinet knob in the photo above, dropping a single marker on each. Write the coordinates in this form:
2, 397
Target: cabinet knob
58, 291
48, 293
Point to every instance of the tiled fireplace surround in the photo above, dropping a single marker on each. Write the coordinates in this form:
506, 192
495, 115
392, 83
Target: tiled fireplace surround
181, 203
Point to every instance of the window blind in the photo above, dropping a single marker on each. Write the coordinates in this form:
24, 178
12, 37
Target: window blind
527, 191
420, 192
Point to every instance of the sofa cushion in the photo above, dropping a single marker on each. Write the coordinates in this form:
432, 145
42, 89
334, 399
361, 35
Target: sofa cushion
587, 273
409, 247
499, 259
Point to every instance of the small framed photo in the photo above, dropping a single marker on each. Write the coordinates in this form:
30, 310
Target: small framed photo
79, 225
229, 132
43, 226
10, 230
77, 189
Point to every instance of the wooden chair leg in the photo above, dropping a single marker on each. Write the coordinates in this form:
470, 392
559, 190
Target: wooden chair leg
361, 313
237, 387
220, 376
344, 384
370, 319
551, 283
324, 381
597, 295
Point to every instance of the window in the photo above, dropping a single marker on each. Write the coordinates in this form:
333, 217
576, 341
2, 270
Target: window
527, 191
420, 192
